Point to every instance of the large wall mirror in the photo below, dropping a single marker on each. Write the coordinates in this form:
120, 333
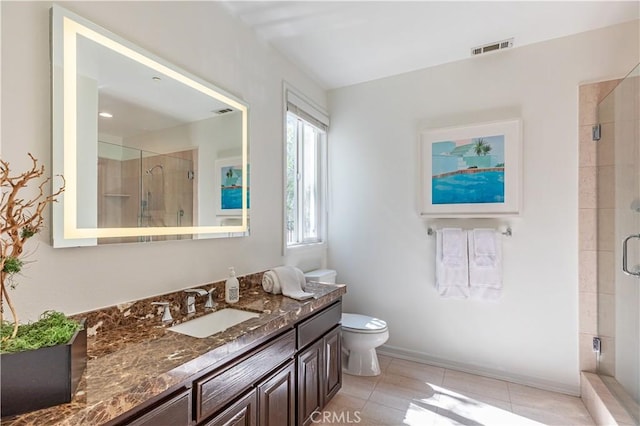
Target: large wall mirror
149, 152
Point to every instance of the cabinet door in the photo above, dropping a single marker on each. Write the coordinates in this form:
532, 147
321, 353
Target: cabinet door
332, 363
276, 398
310, 383
175, 411
241, 413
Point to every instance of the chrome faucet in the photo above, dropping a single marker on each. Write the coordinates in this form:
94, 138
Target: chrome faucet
210, 304
166, 313
191, 300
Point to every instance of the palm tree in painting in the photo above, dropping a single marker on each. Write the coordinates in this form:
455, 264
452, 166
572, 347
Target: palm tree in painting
481, 147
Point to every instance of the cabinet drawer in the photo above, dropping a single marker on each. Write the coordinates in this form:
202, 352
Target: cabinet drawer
314, 327
215, 390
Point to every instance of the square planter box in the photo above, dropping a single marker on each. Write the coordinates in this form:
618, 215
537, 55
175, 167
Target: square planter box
31, 380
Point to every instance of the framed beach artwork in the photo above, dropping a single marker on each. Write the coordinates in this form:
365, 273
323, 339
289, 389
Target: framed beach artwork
472, 171
229, 186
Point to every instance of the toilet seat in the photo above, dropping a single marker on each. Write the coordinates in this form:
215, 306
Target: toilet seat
363, 324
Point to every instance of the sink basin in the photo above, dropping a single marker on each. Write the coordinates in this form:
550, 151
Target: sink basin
213, 323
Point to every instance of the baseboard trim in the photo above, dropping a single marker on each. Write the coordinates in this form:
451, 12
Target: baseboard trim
410, 355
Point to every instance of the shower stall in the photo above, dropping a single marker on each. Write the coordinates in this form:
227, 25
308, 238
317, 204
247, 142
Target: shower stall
618, 224
139, 188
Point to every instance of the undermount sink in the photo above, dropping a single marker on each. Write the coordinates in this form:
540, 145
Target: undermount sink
213, 323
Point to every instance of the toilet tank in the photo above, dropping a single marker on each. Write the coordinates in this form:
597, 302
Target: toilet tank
321, 275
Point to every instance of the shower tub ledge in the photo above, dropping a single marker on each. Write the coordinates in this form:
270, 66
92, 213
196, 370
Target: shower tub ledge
604, 407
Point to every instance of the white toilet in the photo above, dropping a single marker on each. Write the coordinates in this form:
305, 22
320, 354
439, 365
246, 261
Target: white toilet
361, 334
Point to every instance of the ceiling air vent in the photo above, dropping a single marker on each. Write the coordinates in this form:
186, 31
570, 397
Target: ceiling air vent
492, 47
223, 111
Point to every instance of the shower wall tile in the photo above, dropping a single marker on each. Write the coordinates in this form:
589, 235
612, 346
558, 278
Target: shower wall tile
587, 153
588, 320
605, 150
606, 315
606, 272
587, 188
588, 271
588, 361
588, 219
606, 188
606, 229
588, 98
607, 361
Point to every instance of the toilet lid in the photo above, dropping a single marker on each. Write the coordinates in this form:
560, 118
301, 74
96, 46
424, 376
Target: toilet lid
363, 324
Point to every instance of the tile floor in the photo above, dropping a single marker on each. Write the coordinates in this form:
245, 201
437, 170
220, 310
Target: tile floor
410, 393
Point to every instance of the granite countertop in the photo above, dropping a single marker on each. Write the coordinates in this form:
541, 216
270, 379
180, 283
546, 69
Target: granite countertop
138, 358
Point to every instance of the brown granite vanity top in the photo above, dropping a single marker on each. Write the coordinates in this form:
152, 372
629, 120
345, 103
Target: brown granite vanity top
132, 357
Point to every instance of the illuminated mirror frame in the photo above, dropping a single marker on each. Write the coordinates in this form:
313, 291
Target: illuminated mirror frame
65, 27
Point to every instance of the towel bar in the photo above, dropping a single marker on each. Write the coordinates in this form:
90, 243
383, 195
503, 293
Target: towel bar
507, 232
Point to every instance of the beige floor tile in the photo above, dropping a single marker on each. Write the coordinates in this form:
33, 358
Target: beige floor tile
487, 415
448, 398
465, 382
399, 392
384, 362
406, 394
375, 414
344, 402
357, 386
428, 373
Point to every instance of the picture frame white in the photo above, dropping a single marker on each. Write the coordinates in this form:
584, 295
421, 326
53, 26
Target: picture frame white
472, 171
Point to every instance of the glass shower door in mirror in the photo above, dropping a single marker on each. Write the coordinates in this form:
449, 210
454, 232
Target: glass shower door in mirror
144, 189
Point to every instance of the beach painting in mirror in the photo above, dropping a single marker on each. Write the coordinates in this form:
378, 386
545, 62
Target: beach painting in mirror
471, 170
229, 176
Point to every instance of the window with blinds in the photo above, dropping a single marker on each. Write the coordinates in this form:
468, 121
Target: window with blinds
305, 172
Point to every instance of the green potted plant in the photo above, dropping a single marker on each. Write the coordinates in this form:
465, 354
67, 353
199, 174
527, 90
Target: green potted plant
41, 362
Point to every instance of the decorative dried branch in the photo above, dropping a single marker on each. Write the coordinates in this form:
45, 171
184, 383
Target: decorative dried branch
20, 219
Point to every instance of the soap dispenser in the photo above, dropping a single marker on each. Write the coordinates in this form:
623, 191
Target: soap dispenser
232, 287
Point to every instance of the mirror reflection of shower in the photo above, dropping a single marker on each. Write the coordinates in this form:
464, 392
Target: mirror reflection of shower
144, 189
152, 206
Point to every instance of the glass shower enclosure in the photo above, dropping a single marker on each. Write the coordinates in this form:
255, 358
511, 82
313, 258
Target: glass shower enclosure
139, 188
619, 241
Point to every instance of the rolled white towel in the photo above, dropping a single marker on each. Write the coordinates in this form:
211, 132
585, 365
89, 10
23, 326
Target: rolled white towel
271, 283
291, 282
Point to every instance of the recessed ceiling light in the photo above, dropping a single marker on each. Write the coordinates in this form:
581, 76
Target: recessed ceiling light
105, 115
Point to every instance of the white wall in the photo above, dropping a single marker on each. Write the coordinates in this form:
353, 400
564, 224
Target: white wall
378, 243
202, 38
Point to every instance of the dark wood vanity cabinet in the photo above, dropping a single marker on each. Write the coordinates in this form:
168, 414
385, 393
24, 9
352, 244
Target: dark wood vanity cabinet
319, 363
281, 382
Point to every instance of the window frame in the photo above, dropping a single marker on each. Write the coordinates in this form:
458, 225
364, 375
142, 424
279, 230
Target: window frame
301, 113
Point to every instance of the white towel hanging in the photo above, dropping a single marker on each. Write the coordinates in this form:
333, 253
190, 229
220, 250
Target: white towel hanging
454, 246
485, 269
452, 271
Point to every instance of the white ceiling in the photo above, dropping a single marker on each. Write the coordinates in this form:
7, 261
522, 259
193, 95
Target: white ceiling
344, 43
